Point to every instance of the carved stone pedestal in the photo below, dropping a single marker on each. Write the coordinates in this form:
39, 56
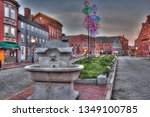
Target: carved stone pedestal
54, 91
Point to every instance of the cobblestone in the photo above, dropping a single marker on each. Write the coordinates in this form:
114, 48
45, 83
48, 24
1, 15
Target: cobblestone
13, 81
132, 79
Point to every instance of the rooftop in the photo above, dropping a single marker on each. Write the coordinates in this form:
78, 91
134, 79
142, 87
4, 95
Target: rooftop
31, 22
47, 17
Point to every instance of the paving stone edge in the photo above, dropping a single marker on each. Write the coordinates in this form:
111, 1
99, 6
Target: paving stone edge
111, 84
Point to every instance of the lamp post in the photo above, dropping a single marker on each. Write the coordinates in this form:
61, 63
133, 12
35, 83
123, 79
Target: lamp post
136, 51
33, 49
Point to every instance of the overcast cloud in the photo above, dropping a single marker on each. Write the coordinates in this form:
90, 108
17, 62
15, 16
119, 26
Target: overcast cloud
118, 17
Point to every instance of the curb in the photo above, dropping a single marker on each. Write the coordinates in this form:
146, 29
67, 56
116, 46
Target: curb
111, 85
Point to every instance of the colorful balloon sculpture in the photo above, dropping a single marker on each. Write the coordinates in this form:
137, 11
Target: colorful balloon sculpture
91, 22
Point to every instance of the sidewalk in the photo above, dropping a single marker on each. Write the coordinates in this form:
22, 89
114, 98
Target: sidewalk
87, 92
14, 65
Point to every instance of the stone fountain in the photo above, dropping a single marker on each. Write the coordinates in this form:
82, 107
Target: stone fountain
54, 76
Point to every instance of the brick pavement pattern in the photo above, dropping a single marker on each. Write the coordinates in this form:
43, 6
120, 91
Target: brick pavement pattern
87, 92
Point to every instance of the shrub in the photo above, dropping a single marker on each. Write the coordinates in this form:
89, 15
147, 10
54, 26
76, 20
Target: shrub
94, 66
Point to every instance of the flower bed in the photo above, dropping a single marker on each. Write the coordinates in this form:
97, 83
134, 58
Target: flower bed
95, 66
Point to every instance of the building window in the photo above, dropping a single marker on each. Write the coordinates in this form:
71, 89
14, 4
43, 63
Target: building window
36, 40
13, 32
36, 30
40, 19
28, 39
32, 28
9, 31
6, 11
43, 40
28, 27
22, 25
40, 31
10, 12
22, 38
39, 41
6, 32
13, 13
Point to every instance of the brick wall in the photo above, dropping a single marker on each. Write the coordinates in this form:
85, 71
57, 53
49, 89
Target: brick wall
124, 43
145, 48
1, 20
55, 28
80, 44
17, 25
142, 43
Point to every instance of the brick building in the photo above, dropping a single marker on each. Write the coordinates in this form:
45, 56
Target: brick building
80, 44
54, 27
9, 31
143, 41
110, 45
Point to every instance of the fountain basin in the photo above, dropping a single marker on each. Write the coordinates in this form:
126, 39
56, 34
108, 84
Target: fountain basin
54, 83
68, 74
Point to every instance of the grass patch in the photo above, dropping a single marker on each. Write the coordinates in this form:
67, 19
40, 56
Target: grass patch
94, 66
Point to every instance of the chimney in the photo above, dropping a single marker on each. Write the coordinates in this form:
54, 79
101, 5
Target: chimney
148, 19
27, 13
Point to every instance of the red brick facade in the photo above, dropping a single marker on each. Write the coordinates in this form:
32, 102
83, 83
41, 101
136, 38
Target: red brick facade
143, 41
110, 45
124, 43
101, 47
97, 46
54, 27
1, 20
80, 44
9, 29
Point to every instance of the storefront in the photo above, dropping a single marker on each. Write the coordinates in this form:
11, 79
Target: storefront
8, 52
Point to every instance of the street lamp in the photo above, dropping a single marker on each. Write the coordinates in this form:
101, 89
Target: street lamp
136, 51
33, 48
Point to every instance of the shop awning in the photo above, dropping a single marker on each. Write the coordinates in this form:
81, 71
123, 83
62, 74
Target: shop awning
5, 45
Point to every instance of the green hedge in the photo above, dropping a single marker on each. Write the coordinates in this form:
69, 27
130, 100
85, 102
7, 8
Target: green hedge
95, 66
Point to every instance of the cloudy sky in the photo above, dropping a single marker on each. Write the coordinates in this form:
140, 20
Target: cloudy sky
118, 17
